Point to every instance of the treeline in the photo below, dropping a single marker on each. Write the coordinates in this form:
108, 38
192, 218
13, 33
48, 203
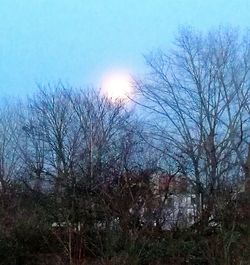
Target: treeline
80, 175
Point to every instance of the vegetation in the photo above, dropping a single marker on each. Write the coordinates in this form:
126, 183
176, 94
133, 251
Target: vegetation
80, 176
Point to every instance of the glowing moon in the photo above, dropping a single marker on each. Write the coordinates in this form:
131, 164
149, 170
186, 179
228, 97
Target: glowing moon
117, 86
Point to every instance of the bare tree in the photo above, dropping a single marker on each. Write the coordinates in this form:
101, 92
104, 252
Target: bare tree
198, 91
75, 146
9, 137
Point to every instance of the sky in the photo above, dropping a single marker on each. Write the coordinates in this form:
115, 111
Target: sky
78, 42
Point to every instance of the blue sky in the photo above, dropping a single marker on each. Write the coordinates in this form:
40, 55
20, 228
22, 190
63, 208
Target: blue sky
78, 41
